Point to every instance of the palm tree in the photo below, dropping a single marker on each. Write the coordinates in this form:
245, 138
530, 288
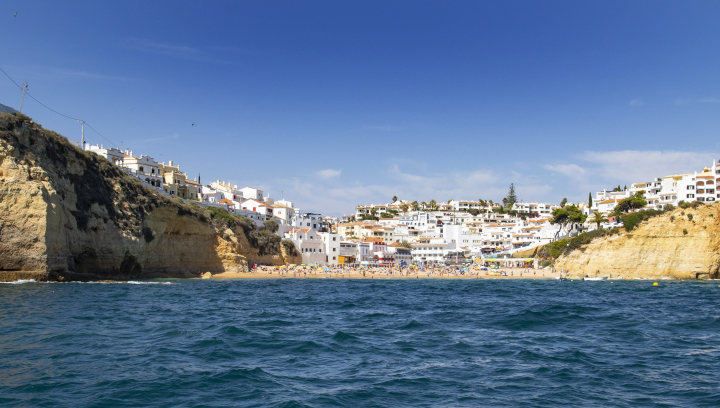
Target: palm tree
373, 211
598, 218
404, 207
433, 204
423, 204
415, 205
394, 199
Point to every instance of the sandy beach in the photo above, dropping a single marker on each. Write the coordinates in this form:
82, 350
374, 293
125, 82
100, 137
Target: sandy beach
385, 273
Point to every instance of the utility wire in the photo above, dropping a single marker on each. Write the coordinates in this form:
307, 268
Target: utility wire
106, 139
53, 110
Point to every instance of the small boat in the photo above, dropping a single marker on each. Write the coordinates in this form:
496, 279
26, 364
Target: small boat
597, 278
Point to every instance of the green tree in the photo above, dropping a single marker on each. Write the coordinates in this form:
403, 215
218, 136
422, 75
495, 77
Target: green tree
272, 226
589, 200
394, 199
415, 205
373, 211
405, 244
598, 218
567, 217
511, 198
563, 202
635, 202
404, 207
423, 205
433, 204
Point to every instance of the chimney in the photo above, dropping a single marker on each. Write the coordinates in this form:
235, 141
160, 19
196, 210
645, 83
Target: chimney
170, 163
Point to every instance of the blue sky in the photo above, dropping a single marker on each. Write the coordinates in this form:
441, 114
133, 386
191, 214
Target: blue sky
339, 103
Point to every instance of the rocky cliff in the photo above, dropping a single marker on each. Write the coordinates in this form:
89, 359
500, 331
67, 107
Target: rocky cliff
67, 214
681, 244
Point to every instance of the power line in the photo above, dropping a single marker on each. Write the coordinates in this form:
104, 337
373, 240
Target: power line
106, 139
53, 110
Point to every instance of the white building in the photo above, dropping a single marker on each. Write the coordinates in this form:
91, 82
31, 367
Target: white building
428, 253
211, 195
332, 247
541, 209
252, 193
309, 244
228, 191
402, 256
283, 214
307, 220
115, 156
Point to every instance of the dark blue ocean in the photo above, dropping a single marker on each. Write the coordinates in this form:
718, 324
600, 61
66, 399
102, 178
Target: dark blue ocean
360, 343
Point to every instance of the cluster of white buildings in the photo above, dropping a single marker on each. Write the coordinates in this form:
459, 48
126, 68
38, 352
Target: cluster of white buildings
664, 191
441, 234
167, 179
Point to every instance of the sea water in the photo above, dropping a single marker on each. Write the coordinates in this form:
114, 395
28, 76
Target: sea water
360, 343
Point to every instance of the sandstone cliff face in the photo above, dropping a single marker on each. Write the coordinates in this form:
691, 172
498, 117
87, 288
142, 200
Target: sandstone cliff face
682, 244
69, 214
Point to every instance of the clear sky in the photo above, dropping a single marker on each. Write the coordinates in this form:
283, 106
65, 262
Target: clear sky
338, 103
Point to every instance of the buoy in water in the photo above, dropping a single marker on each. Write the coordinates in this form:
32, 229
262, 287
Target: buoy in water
655, 284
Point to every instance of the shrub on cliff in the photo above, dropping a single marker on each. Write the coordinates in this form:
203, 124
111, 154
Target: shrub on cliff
221, 218
266, 242
554, 249
630, 221
290, 249
272, 226
566, 245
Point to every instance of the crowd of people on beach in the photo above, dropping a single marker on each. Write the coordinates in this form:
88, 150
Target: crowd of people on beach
410, 271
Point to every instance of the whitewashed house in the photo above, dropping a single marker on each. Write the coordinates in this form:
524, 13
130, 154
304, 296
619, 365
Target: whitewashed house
115, 156
252, 193
332, 247
309, 244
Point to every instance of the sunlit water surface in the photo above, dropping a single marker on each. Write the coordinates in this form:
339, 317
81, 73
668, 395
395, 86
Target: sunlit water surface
360, 343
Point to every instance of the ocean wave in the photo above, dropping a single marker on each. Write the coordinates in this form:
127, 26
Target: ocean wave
20, 281
149, 283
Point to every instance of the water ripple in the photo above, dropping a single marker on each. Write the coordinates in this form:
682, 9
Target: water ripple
329, 343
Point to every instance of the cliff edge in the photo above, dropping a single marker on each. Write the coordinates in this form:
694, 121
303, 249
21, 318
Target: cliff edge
679, 244
68, 214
